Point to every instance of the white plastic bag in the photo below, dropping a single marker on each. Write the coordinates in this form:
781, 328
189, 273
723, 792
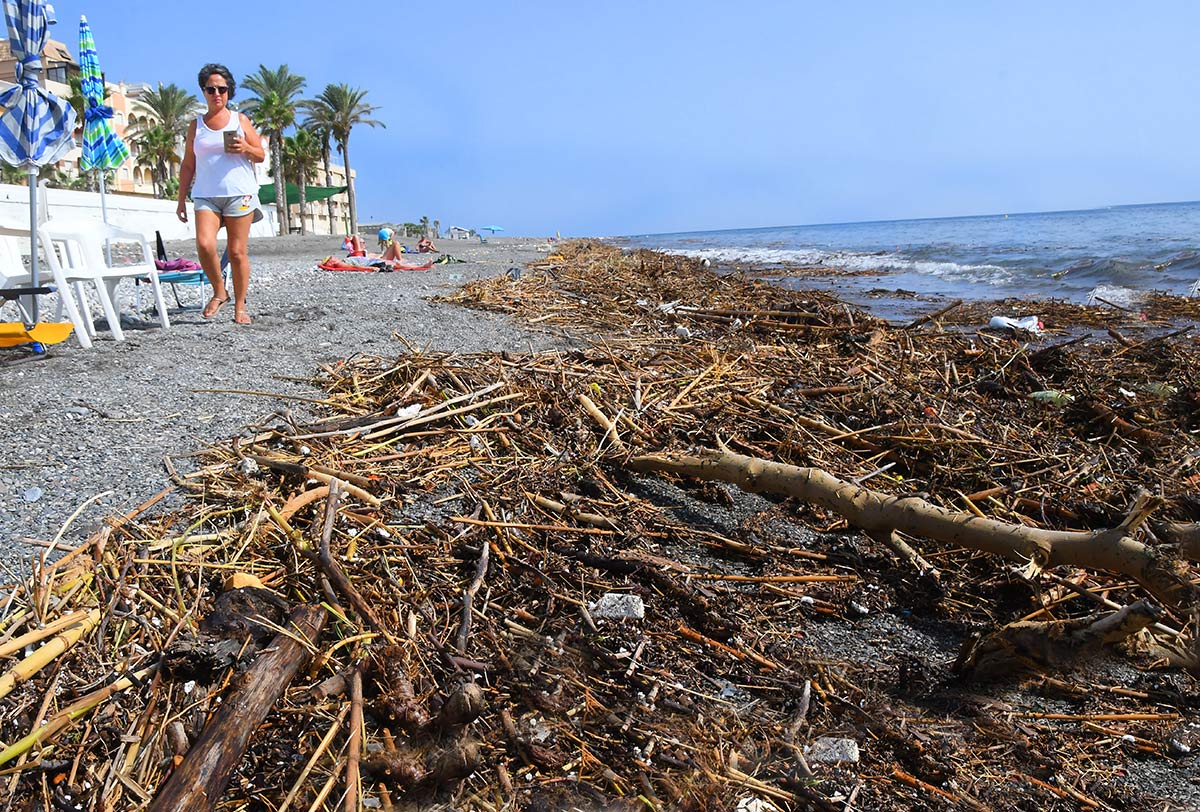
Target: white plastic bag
1029, 324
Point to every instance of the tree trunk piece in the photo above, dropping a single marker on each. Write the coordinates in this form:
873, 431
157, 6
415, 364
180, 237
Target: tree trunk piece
281, 204
200, 781
1042, 646
1113, 550
350, 194
328, 182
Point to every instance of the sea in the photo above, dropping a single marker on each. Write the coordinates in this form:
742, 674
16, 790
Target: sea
1116, 253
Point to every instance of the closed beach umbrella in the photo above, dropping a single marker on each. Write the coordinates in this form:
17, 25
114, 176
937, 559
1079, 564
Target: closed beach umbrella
36, 127
102, 148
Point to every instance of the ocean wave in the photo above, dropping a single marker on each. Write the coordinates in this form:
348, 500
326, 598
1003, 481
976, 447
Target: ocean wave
885, 264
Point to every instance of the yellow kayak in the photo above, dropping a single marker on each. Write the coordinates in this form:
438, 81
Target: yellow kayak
14, 333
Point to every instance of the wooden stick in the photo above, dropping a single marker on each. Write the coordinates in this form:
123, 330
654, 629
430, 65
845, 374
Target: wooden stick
695, 636
560, 528
336, 575
610, 429
773, 579
1097, 717
464, 631
917, 783
18, 643
937, 314
301, 782
355, 750
38, 660
199, 782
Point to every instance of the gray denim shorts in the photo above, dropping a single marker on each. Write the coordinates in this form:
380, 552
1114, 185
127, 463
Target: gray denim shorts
234, 206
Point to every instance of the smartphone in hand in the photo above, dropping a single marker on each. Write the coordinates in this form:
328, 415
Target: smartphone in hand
230, 137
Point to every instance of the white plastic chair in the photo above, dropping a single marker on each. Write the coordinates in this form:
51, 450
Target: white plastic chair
13, 274
75, 254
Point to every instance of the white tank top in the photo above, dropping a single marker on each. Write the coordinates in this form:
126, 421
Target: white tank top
219, 173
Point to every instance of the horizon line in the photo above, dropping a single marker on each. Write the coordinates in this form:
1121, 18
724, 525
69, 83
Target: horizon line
914, 219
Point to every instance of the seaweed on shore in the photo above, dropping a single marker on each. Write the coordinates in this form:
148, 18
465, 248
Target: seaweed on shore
518, 620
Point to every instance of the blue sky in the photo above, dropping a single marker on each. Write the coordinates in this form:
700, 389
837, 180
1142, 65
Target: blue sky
631, 118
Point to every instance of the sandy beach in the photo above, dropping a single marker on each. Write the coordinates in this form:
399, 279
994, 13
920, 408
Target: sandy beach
82, 423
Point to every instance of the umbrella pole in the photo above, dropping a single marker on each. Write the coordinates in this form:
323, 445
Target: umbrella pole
33, 238
104, 216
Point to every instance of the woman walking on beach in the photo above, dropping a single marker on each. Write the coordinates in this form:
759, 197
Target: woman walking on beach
220, 152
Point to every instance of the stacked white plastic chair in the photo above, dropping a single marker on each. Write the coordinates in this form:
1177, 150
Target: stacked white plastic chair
14, 274
75, 253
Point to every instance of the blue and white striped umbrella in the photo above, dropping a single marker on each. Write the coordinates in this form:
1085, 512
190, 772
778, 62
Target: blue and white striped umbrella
102, 147
36, 127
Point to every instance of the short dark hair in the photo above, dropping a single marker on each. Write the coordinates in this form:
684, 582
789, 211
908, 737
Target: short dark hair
215, 69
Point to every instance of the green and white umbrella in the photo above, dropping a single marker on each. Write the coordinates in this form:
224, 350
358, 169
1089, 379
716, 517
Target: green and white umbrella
102, 148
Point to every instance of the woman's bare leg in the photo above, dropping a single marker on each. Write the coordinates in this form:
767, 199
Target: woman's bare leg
207, 224
237, 229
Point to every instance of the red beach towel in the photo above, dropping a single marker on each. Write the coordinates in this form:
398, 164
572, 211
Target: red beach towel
331, 264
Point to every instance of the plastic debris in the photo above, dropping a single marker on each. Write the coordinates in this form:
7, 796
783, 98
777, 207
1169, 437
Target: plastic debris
1028, 324
33, 494
832, 751
618, 606
1052, 396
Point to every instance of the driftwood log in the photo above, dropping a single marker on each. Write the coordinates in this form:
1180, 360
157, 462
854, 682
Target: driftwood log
201, 778
1053, 645
1113, 550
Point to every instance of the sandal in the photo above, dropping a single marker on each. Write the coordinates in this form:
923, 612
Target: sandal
241, 316
210, 311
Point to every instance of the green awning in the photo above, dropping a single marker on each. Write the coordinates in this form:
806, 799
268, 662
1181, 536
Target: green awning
266, 193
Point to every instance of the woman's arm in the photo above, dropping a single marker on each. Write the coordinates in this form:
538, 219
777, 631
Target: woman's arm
187, 171
252, 145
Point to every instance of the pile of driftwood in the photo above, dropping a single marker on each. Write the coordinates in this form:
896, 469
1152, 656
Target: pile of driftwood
504, 581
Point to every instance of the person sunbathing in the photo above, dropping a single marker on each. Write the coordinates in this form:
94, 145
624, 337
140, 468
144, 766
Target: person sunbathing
355, 245
426, 247
359, 250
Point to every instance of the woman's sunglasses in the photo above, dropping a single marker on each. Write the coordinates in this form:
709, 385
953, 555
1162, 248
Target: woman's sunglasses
213, 90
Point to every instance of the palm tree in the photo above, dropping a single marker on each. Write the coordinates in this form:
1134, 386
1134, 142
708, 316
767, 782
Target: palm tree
301, 153
425, 227
170, 107
340, 108
13, 175
274, 107
324, 138
76, 99
156, 150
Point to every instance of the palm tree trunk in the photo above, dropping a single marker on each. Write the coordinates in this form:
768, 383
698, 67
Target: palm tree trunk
328, 182
350, 184
281, 204
303, 205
